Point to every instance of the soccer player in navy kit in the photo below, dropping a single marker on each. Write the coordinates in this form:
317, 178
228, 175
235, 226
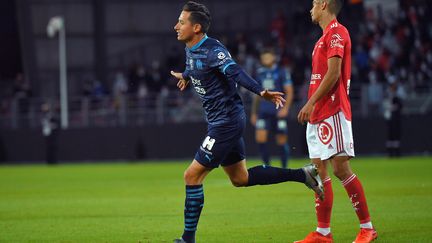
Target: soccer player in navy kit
264, 116
214, 76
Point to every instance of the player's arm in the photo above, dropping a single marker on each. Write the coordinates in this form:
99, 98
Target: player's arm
333, 72
235, 73
289, 95
254, 110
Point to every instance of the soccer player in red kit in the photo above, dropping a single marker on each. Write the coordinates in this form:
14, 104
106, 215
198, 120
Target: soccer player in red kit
328, 116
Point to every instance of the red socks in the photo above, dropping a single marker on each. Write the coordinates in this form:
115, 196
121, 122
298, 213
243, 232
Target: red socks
356, 194
358, 199
324, 208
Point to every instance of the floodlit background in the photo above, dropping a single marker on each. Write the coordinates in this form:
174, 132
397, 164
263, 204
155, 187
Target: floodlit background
124, 134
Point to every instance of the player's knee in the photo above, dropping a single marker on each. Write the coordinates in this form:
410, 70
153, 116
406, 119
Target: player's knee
261, 136
341, 174
281, 140
189, 177
239, 181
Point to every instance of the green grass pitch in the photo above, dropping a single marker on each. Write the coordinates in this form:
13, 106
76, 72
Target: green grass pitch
143, 202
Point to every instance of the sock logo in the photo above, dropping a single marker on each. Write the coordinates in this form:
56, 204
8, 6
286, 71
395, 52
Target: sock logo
354, 203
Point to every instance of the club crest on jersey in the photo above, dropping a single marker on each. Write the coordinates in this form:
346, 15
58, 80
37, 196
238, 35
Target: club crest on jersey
325, 132
199, 64
221, 55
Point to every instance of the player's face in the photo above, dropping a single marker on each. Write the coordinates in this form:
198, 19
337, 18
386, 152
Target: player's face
184, 28
268, 59
315, 11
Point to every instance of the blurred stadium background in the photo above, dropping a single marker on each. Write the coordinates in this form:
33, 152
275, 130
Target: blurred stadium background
123, 106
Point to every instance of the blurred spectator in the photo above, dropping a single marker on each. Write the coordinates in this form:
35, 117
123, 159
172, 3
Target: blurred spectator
375, 95
87, 88
21, 87
119, 89
157, 80
278, 27
99, 90
50, 130
138, 75
22, 93
393, 117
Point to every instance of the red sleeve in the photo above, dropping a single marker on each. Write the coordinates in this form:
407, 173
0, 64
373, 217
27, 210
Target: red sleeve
335, 42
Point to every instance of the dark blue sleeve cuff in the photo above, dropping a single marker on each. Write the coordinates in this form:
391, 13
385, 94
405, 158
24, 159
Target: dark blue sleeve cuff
236, 74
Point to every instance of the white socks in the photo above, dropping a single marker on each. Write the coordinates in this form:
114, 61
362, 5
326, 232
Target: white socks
323, 231
326, 231
367, 225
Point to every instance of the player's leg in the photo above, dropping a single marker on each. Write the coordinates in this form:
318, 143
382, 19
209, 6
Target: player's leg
282, 141
261, 135
234, 166
213, 150
354, 189
350, 181
194, 202
322, 208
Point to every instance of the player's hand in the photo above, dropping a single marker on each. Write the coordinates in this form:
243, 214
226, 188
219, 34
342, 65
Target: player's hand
181, 84
305, 113
275, 97
253, 119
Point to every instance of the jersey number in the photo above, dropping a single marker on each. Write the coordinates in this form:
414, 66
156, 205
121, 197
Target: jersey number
208, 143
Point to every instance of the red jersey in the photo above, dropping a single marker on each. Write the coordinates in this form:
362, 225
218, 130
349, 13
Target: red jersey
335, 42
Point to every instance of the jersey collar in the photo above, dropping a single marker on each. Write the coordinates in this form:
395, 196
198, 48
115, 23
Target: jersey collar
193, 48
329, 25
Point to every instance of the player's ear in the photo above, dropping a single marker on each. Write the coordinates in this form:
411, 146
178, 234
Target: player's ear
324, 4
197, 28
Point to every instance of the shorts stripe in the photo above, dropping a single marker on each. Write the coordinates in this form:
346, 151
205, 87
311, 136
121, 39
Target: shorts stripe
336, 131
341, 136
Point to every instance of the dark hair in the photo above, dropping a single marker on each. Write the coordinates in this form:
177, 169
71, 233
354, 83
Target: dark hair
268, 50
199, 14
335, 6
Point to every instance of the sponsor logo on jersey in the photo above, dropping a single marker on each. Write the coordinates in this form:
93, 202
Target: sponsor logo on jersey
335, 41
196, 83
315, 76
325, 132
191, 64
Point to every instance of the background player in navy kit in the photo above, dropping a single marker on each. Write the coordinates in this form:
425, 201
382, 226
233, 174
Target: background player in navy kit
264, 116
214, 75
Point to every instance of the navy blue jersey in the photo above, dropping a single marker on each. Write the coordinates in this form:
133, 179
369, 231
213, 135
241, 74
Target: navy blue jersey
206, 69
273, 79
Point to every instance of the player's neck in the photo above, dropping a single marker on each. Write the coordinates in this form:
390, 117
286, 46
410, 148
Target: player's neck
326, 20
195, 40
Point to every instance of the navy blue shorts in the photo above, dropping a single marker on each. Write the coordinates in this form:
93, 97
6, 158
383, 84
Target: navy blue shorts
223, 145
272, 123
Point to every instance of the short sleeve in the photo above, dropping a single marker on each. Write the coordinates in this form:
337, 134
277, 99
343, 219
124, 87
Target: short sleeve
336, 42
286, 77
220, 58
